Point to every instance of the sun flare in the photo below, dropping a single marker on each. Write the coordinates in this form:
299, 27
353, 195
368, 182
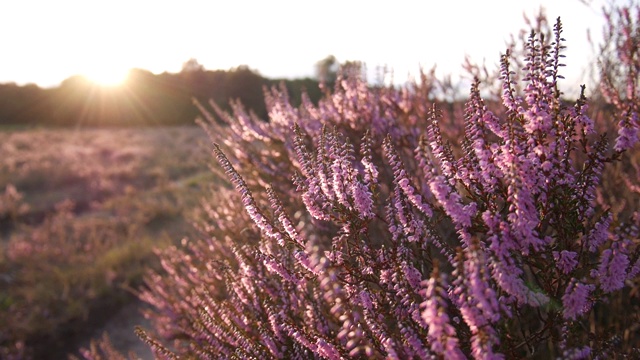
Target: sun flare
107, 76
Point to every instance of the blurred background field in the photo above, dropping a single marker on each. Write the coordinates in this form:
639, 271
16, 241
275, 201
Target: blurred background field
81, 211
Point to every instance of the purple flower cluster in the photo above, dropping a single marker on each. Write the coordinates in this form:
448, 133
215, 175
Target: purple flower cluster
359, 229
576, 299
442, 334
620, 84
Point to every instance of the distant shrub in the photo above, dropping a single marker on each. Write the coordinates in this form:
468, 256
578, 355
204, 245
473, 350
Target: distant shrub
358, 228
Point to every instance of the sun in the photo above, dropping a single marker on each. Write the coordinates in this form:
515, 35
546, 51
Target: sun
105, 76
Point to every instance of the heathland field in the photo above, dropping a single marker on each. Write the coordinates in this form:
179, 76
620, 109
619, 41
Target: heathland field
81, 212
378, 222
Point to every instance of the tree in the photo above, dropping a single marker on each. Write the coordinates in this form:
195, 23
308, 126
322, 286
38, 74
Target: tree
192, 65
327, 69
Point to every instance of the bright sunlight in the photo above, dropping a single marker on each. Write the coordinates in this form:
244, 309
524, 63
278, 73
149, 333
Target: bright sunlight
106, 76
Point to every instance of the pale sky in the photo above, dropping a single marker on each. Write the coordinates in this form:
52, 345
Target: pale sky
45, 42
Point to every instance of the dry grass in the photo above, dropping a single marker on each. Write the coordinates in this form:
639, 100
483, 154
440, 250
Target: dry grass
82, 211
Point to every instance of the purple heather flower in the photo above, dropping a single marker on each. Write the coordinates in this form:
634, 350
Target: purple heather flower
413, 276
581, 353
612, 271
575, 300
280, 213
327, 350
538, 120
451, 201
247, 199
362, 200
324, 175
305, 261
441, 334
565, 260
249, 128
271, 345
599, 234
339, 181
508, 98
523, 215
584, 120
276, 267
507, 274
370, 169
627, 136
314, 200
475, 280
401, 179
389, 347
476, 301
504, 269
365, 300
416, 348
439, 148
303, 156
301, 339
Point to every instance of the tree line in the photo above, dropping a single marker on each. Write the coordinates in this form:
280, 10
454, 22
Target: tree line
144, 99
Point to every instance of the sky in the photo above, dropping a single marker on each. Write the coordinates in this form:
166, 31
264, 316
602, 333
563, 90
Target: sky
45, 42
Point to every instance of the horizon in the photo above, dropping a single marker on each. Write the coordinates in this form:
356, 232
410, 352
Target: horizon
283, 39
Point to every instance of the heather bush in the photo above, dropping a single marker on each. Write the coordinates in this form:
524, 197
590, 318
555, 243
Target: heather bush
358, 227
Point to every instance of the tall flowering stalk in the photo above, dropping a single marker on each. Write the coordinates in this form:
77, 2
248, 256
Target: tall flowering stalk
329, 246
621, 71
